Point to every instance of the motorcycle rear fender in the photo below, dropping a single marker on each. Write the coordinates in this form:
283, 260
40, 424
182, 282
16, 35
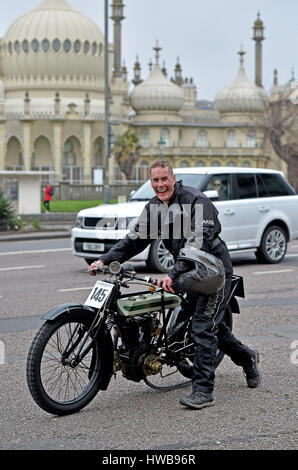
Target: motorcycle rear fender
104, 338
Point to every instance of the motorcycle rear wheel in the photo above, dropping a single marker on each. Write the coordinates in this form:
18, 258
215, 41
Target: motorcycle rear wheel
169, 380
57, 386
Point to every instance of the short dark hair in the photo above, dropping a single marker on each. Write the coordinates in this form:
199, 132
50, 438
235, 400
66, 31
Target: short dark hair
162, 164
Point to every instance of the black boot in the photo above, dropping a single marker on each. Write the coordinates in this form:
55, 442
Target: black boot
251, 371
197, 400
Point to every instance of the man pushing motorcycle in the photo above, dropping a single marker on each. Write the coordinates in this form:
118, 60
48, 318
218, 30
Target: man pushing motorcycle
187, 222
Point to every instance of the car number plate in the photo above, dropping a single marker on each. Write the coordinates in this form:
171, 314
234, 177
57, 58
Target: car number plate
93, 246
99, 294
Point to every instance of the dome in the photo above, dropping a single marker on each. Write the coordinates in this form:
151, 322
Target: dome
53, 40
157, 93
241, 96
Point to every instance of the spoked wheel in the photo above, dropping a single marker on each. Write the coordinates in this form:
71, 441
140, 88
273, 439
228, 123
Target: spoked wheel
172, 378
56, 384
169, 379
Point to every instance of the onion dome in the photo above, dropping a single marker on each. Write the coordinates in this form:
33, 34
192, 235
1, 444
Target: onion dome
157, 93
52, 41
242, 96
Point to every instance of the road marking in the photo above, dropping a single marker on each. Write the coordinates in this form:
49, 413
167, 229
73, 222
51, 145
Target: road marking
291, 255
277, 271
75, 288
23, 267
50, 250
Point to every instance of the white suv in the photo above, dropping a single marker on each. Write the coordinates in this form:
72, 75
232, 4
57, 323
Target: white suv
257, 209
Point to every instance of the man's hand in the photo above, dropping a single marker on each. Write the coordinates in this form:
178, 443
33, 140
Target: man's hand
94, 266
166, 283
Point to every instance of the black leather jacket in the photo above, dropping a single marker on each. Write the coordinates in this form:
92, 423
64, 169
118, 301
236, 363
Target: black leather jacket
190, 219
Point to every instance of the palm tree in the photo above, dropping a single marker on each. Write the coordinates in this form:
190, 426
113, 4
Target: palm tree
127, 152
7, 214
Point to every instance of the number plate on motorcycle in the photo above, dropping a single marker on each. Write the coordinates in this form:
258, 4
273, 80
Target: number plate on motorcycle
99, 294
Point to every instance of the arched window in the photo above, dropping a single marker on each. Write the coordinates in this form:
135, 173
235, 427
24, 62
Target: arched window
86, 47
144, 138
77, 46
231, 163
25, 45
45, 45
67, 45
251, 139
200, 163
35, 45
232, 142
246, 164
184, 164
17, 47
94, 48
165, 136
202, 139
215, 163
56, 45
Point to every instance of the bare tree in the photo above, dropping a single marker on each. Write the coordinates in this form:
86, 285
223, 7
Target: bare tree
127, 151
279, 126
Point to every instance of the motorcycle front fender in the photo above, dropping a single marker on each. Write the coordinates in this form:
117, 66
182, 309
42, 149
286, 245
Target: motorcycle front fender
63, 309
103, 338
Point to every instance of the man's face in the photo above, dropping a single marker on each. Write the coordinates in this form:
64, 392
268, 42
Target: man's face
162, 183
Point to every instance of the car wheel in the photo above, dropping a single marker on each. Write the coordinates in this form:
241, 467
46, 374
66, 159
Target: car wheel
273, 245
160, 259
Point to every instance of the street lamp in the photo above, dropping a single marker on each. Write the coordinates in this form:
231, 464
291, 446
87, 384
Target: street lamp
106, 187
161, 145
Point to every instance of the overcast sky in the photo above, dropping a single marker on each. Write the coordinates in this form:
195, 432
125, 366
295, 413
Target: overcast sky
206, 36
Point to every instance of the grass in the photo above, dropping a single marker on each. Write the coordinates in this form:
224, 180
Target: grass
73, 206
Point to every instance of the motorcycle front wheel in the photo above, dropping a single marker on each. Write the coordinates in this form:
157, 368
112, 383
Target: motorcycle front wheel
57, 385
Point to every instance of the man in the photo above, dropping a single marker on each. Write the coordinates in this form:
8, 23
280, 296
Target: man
47, 197
209, 331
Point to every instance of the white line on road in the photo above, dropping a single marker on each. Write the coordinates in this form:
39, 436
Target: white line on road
75, 288
50, 250
23, 267
274, 272
291, 255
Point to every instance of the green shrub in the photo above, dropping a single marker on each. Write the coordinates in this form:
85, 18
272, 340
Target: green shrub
7, 213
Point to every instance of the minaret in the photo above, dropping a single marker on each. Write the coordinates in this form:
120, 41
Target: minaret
178, 73
258, 37
117, 16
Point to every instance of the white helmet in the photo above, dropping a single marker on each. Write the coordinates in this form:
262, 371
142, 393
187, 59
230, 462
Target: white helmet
208, 277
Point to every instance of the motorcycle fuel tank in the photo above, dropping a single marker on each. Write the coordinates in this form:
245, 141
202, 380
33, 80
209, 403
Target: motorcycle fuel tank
138, 305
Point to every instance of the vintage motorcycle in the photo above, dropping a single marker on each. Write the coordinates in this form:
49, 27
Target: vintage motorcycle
144, 334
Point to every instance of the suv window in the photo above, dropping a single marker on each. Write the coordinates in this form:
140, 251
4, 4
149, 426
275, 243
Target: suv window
222, 184
246, 185
273, 185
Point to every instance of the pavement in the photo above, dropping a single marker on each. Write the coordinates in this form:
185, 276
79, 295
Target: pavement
11, 236
52, 225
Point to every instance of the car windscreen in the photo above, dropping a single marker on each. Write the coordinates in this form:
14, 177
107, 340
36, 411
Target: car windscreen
145, 192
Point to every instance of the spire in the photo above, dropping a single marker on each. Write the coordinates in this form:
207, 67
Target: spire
137, 72
178, 73
241, 53
157, 48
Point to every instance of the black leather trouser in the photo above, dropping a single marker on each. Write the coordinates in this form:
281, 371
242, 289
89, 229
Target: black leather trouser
210, 332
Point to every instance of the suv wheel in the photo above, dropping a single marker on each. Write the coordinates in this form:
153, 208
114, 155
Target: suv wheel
273, 245
159, 259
